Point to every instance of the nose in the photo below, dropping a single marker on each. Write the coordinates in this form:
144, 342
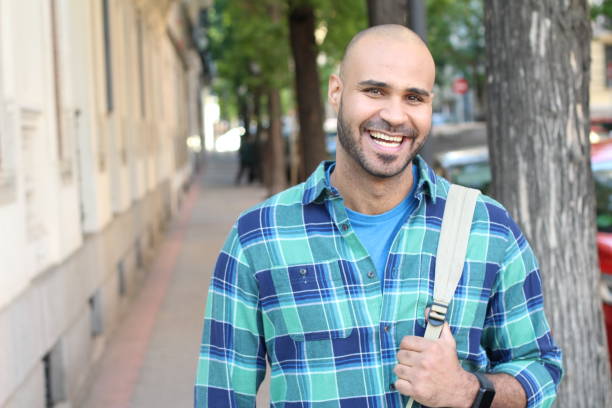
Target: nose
393, 112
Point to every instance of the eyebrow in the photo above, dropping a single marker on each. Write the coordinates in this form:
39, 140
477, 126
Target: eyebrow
379, 84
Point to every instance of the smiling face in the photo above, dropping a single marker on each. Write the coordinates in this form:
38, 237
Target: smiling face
384, 101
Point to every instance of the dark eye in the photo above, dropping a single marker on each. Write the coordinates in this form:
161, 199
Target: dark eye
373, 91
414, 98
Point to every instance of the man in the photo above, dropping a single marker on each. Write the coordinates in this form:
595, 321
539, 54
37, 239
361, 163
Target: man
330, 280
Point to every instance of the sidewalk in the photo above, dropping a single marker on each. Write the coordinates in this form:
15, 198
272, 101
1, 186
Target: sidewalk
151, 359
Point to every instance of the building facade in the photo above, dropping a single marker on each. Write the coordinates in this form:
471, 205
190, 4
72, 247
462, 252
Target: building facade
97, 99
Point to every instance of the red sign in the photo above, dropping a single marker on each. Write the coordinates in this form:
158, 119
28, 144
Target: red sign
460, 85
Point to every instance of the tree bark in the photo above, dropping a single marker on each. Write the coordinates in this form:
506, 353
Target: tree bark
278, 179
387, 12
257, 94
308, 92
538, 108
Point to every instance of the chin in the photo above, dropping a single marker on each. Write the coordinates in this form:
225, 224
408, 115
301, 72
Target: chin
386, 171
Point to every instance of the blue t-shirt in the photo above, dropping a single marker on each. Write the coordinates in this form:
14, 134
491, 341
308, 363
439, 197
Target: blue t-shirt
376, 232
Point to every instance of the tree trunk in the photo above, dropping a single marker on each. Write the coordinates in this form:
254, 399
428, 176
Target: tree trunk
387, 12
258, 135
278, 180
538, 118
308, 91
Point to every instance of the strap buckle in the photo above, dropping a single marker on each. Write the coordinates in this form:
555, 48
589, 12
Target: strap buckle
437, 314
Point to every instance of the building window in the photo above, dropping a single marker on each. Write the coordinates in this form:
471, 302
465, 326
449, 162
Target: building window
95, 313
608, 66
121, 283
108, 61
138, 256
55, 384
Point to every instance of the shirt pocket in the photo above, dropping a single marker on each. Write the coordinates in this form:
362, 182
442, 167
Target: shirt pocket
314, 302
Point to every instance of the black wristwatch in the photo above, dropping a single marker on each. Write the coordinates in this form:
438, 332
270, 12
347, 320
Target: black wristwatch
486, 392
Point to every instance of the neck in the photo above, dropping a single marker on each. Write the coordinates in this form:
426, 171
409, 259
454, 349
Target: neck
368, 194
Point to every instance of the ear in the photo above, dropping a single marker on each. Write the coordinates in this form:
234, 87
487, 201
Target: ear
334, 91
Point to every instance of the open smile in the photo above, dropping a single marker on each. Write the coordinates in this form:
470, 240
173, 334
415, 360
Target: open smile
386, 140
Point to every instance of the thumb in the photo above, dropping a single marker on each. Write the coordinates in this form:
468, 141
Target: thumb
447, 335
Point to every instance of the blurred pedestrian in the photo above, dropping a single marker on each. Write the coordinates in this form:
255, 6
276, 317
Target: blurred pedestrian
330, 280
247, 160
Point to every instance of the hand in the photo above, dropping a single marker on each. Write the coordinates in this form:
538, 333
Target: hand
429, 371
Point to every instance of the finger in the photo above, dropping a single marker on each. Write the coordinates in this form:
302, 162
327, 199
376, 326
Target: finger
402, 372
407, 357
447, 335
415, 343
427, 309
404, 387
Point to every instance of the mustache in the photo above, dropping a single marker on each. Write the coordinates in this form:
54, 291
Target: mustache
381, 124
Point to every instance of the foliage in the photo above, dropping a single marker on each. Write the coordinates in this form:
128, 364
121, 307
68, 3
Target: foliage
603, 11
250, 48
455, 30
341, 21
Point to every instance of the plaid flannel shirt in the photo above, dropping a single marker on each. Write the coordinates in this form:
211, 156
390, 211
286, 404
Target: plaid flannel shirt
294, 285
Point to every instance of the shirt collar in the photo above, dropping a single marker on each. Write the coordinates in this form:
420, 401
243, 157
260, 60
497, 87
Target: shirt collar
316, 187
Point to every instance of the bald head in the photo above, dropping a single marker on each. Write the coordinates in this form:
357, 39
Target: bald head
385, 33
383, 97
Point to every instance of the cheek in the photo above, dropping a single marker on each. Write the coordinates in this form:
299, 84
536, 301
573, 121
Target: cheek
422, 120
359, 109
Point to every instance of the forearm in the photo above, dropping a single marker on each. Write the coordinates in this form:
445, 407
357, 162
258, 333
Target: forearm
508, 391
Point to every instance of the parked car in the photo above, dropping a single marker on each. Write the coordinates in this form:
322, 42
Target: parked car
601, 163
467, 167
470, 167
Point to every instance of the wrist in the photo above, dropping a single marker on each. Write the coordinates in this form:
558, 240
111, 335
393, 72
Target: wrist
470, 390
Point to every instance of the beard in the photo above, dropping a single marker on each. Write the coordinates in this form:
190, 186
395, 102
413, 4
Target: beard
385, 168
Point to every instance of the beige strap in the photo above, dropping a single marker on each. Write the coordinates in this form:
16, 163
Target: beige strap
450, 257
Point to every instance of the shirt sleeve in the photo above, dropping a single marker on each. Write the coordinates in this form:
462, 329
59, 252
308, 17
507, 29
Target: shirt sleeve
232, 362
516, 331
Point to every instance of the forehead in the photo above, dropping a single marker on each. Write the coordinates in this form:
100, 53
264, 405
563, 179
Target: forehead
399, 63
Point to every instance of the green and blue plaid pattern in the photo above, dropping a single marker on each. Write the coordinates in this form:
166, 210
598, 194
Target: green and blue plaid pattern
294, 285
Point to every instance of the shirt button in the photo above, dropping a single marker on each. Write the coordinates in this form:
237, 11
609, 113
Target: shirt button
344, 227
371, 274
392, 387
387, 328
302, 272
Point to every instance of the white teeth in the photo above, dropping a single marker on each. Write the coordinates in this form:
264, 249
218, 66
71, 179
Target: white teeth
395, 140
380, 142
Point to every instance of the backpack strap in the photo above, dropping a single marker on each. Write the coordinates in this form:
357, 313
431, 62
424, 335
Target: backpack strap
452, 247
